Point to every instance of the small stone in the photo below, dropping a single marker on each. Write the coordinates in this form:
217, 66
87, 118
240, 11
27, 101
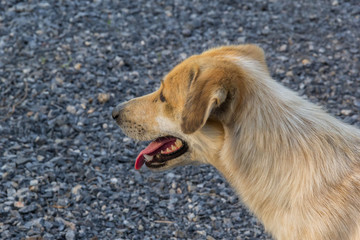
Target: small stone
289, 74
213, 218
170, 175
186, 32
34, 182
32, 223
21, 160
191, 216
179, 234
183, 56
19, 204
346, 112
120, 61
190, 186
44, 5
241, 39
305, 62
91, 110
103, 97
77, 66
40, 158
59, 81
31, 208
62, 203
71, 109
75, 190
70, 225
114, 180
70, 235
48, 236
26, 70
34, 188
354, 50
283, 48
357, 103
322, 50
266, 30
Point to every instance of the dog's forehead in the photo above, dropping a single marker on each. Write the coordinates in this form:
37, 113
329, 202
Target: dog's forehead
181, 73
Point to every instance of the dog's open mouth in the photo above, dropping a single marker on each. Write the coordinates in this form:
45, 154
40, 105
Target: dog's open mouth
159, 151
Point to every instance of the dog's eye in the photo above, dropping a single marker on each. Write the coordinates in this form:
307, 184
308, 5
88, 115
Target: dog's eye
162, 98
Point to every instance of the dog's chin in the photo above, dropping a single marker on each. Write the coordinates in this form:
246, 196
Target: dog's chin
173, 163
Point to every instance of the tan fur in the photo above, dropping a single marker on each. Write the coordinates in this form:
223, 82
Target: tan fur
296, 167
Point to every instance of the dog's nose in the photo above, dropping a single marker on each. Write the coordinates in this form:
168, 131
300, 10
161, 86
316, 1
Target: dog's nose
115, 114
117, 110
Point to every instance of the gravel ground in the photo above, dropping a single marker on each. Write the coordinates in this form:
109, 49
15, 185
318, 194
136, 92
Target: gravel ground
66, 170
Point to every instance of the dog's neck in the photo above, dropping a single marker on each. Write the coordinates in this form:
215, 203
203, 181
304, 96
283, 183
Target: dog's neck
272, 150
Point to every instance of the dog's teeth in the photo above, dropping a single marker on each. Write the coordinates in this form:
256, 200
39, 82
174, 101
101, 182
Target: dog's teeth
173, 148
162, 152
148, 157
178, 143
168, 150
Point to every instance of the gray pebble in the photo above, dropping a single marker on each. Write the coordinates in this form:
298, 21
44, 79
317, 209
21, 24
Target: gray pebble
57, 58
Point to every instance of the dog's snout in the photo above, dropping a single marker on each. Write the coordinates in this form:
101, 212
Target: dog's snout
117, 111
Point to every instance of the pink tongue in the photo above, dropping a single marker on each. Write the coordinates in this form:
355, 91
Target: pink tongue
153, 146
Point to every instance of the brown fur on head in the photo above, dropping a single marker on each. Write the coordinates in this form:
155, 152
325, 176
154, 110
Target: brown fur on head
193, 102
296, 167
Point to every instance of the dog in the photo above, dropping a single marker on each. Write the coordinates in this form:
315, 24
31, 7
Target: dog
293, 165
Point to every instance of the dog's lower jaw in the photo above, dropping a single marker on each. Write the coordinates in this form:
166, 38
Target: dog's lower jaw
177, 162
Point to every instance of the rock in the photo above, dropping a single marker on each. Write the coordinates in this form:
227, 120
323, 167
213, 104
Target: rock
19, 204
346, 112
70, 235
186, 32
71, 109
114, 180
34, 182
22, 160
67, 169
306, 62
283, 48
103, 97
28, 209
357, 103
75, 190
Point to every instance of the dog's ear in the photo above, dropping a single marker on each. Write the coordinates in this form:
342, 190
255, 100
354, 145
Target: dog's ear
206, 93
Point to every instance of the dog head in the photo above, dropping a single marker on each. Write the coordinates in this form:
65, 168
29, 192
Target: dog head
186, 117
